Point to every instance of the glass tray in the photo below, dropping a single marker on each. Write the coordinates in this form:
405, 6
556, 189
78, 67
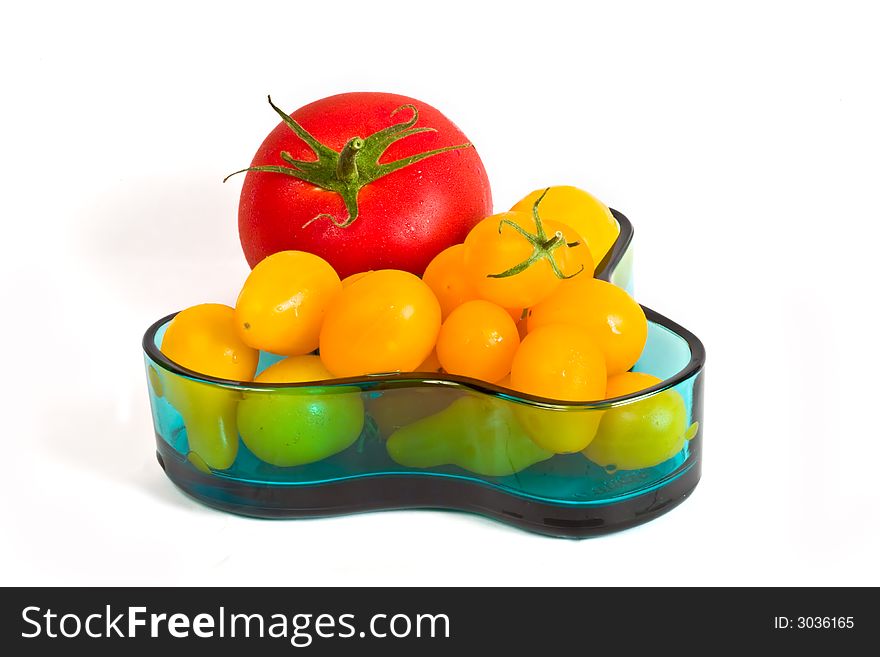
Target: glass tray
346, 429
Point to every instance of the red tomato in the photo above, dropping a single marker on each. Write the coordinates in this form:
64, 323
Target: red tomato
376, 218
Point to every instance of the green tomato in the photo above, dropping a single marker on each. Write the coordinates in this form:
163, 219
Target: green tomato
641, 435
299, 425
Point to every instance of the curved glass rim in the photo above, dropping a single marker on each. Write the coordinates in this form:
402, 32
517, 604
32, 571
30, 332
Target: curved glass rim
392, 380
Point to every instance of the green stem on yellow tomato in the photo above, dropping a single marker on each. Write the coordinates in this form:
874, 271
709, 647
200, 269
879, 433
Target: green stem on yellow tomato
542, 246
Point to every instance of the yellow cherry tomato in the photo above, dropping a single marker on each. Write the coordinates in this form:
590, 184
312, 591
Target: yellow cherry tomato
295, 369
516, 259
386, 322
204, 339
563, 363
446, 277
612, 318
641, 434
294, 426
478, 340
348, 280
588, 216
283, 302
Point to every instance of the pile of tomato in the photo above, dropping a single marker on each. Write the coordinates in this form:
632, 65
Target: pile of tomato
516, 304
509, 299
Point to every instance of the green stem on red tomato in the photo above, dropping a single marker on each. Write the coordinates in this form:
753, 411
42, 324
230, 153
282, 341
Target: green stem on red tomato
346, 167
357, 165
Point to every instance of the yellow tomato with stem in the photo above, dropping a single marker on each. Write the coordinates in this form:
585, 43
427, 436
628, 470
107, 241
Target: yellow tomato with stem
560, 362
516, 259
387, 321
478, 339
615, 322
283, 302
587, 215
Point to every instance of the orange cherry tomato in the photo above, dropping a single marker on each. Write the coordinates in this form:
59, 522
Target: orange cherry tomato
516, 259
627, 383
430, 364
283, 302
588, 216
295, 369
387, 321
561, 362
478, 340
446, 276
613, 319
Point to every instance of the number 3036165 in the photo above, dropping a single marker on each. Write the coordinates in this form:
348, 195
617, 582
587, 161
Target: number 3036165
825, 622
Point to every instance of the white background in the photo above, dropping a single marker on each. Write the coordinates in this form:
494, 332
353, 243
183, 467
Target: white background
742, 142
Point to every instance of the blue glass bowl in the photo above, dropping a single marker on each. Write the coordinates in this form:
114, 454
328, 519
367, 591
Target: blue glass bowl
428, 440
